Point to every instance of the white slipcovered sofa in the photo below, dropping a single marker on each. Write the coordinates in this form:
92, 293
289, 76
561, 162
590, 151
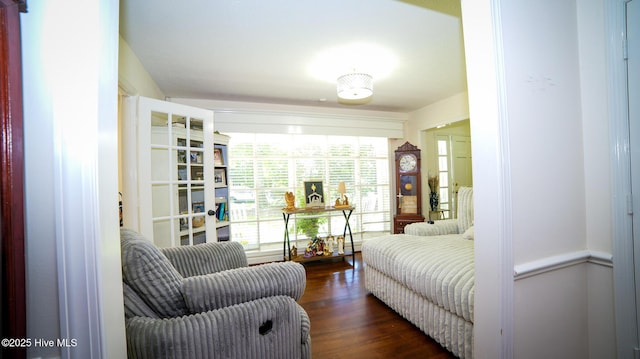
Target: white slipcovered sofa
427, 276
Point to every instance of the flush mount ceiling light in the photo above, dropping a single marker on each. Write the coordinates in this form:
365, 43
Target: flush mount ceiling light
355, 86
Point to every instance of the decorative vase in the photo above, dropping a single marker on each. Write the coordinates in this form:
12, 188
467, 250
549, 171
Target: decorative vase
434, 200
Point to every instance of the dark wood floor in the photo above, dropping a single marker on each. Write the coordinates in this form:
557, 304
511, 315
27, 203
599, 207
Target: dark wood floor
348, 322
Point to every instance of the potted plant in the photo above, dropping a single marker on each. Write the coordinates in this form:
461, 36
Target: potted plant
309, 226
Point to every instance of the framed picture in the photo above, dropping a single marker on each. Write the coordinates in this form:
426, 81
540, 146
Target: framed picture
220, 178
196, 157
198, 207
217, 157
313, 194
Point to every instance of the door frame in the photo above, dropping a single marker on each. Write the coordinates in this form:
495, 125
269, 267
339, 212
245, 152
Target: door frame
13, 298
622, 230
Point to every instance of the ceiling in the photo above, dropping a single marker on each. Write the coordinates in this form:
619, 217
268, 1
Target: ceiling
274, 51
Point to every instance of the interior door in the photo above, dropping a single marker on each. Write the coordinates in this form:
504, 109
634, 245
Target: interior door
461, 158
175, 172
633, 72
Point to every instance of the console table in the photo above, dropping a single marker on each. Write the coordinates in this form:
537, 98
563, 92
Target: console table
346, 212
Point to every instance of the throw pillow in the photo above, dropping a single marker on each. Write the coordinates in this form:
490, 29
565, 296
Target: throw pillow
150, 274
468, 234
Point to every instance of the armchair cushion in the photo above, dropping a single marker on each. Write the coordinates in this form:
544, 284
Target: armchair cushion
219, 290
206, 258
147, 271
134, 306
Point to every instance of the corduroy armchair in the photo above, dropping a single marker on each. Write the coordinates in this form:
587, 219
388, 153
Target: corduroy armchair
203, 301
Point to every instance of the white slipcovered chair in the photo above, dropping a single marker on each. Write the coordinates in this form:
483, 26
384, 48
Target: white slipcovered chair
459, 225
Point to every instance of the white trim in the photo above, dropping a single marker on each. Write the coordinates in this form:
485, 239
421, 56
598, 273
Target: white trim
493, 327
504, 195
623, 270
82, 154
130, 178
266, 118
560, 261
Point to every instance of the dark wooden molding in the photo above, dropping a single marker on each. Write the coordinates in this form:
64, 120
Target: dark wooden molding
408, 147
22, 4
12, 241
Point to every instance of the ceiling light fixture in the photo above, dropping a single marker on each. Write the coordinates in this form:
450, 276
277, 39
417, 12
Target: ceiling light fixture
355, 86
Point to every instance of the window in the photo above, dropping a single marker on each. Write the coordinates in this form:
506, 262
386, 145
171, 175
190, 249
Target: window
263, 167
443, 175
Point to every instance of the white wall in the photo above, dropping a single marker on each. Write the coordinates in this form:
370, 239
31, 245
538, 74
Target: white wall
74, 282
133, 78
592, 42
537, 102
451, 109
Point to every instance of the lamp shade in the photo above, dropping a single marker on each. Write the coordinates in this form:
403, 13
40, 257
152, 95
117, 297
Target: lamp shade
342, 188
355, 86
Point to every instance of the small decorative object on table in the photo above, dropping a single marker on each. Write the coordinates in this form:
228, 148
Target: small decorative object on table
327, 252
329, 244
315, 247
314, 195
340, 245
310, 251
434, 199
290, 200
319, 246
343, 200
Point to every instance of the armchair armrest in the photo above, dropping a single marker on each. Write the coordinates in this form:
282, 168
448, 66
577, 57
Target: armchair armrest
446, 226
223, 289
274, 327
206, 258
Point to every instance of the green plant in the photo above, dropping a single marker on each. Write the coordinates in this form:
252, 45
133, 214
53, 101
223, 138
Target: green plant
309, 225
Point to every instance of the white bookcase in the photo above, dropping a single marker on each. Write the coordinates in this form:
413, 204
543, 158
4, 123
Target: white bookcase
221, 178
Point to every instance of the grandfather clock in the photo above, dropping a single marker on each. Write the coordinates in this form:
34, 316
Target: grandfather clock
408, 187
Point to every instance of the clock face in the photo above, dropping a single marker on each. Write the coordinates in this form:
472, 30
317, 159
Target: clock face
408, 162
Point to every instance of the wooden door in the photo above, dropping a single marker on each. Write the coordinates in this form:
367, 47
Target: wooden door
461, 161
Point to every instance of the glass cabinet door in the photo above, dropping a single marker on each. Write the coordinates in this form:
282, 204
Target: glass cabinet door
177, 198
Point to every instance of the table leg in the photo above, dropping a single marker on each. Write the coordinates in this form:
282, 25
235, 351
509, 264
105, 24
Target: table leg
347, 226
286, 245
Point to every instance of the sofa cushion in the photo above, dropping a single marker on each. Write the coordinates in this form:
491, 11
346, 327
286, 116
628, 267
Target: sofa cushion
150, 274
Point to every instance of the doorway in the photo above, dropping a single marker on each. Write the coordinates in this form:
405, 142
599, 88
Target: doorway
448, 158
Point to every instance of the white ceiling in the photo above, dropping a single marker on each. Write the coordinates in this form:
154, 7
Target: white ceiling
262, 50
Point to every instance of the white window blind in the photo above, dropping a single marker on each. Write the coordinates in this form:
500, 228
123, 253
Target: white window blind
263, 167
